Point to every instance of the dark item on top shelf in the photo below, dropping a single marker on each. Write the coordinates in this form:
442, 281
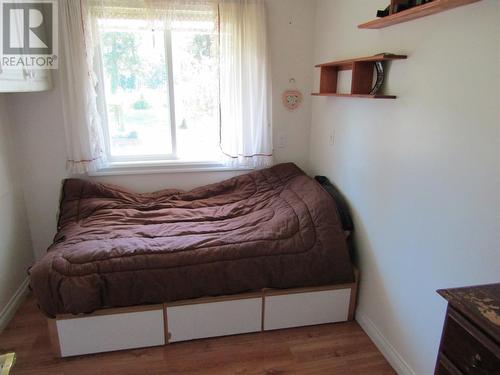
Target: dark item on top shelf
400, 5
422, 2
384, 13
379, 66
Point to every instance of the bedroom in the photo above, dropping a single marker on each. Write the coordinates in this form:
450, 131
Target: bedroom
420, 175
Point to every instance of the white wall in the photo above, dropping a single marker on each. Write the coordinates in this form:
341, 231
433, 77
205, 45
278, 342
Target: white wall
16, 253
291, 33
40, 140
422, 172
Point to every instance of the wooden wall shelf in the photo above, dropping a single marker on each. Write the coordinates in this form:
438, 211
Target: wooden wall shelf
419, 11
356, 96
362, 76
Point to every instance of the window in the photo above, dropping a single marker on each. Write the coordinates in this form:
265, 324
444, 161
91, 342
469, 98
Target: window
161, 80
159, 89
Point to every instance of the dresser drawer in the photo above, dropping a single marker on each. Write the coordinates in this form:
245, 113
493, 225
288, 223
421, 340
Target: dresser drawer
445, 367
441, 369
469, 349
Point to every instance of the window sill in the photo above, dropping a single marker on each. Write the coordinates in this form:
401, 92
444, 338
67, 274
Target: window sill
122, 169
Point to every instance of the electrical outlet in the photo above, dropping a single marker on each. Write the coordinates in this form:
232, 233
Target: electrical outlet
331, 137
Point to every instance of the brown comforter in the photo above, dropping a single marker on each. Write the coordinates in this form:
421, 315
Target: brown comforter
274, 228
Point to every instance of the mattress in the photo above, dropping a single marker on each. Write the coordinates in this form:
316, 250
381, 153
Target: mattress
272, 228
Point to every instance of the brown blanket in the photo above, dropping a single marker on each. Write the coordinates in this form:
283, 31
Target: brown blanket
274, 228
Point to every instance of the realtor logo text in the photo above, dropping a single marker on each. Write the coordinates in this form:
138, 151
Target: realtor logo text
29, 34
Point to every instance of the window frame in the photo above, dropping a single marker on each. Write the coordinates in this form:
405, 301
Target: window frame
103, 107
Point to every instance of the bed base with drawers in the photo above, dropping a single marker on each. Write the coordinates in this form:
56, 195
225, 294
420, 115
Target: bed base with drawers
155, 325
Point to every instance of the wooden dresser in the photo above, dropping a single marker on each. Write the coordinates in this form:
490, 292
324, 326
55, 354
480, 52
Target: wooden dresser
470, 343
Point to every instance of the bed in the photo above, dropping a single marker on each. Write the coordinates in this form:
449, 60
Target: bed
274, 229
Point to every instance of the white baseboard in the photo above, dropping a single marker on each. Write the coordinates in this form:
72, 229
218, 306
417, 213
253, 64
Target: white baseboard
385, 347
10, 309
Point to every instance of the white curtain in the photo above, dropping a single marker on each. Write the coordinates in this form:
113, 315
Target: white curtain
170, 11
82, 123
245, 111
246, 130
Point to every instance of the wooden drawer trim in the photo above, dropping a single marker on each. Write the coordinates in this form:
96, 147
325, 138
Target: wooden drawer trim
112, 311
202, 300
448, 365
281, 292
474, 332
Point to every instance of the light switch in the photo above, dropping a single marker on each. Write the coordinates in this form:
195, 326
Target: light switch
282, 141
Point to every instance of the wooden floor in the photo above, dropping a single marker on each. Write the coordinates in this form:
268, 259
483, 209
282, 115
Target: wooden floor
341, 348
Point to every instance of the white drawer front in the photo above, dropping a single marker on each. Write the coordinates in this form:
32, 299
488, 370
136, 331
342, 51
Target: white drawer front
106, 333
303, 309
214, 319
